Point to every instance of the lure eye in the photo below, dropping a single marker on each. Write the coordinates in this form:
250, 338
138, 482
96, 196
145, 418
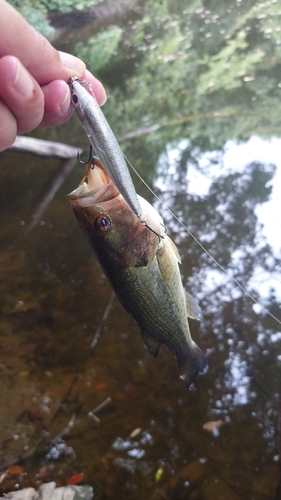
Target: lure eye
74, 99
102, 223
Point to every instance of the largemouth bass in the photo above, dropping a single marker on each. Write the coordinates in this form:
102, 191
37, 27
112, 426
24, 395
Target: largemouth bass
141, 266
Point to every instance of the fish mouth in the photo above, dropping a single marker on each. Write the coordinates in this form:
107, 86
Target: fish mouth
95, 187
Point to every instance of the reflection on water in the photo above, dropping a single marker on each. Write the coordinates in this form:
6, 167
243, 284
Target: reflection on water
156, 439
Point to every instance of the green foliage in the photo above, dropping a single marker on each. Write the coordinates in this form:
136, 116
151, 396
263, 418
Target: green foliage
99, 49
211, 72
268, 14
69, 5
49, 5
34, 12
227, 68
38, 20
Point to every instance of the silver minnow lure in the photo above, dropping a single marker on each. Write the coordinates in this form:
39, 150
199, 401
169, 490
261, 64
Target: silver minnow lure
104, 142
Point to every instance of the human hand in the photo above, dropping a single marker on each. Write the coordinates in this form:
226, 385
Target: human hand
34, 79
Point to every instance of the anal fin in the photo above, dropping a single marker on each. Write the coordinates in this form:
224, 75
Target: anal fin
152, 345
193, 310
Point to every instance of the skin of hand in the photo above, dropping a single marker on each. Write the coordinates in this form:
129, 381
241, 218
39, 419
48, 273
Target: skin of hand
34, 79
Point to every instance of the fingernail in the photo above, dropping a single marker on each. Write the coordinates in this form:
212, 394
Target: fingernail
73, 64
65, 105
23, 83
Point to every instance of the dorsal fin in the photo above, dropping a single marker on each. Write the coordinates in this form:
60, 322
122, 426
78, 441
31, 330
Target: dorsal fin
193, 310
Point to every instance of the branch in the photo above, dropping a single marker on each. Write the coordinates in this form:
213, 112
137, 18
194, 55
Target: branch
41, 147
65, 432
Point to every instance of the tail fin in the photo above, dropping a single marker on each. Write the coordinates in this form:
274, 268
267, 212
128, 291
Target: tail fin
193, 364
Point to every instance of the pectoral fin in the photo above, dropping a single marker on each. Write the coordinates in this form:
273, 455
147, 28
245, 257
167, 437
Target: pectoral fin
174, 249
193, 310
163, 255
152, 345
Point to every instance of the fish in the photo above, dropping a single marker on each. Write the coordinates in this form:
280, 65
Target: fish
100, 136
141, 263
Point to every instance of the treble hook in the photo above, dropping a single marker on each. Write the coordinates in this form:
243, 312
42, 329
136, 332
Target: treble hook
90, 163
90, 159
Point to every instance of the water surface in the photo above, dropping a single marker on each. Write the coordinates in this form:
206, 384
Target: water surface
201, 95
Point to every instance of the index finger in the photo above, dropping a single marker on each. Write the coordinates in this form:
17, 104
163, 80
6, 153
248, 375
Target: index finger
38, 56
20, 39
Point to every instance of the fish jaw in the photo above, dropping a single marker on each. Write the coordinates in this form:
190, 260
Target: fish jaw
98, 188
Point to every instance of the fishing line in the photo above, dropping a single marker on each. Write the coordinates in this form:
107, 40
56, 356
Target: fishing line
202, 246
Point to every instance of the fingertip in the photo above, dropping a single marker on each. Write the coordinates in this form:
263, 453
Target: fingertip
8, 128
57, 103
75, 66
97, 86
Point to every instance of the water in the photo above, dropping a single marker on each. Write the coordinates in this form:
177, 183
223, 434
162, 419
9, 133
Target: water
215, 161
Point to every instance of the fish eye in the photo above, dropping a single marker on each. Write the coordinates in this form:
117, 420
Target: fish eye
102, 223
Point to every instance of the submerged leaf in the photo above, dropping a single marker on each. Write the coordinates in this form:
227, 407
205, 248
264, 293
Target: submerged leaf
212, 425
76, 478
158, 474
15, 469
